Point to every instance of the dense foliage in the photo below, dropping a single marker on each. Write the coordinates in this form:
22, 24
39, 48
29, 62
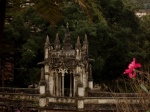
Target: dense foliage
115, 36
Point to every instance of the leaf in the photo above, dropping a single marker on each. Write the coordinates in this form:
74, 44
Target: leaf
143, 87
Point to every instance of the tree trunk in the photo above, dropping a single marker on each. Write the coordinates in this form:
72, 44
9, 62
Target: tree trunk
2, 22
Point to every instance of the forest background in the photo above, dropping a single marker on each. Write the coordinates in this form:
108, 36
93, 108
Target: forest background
115, 36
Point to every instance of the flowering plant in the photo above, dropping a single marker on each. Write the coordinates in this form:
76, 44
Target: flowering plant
131, 72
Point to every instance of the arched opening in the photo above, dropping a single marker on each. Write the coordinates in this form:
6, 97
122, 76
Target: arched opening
68, 84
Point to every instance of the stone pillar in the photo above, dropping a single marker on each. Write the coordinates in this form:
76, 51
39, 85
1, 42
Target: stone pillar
63, 83
57, 85
47, 83
80, 104
54, 84
46, 53
75, 84
42, 83
42, 97
70, 85
91, 84
42, 101
42, 89
51, 83
81, 90
90, 79
46, 69
80, 101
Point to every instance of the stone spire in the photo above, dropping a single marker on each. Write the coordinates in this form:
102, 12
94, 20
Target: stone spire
67, 41
85, 40
78, 44
57, 43
47, 43
85, 45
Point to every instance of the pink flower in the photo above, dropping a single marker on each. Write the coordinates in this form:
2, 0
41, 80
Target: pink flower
131, 69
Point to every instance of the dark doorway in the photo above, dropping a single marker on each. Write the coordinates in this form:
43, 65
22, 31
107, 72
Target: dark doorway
68, 81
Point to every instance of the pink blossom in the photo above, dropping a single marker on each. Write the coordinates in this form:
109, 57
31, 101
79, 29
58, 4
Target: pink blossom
131, 69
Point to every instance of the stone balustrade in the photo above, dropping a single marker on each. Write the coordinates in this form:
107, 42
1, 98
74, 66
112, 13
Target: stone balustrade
95, 101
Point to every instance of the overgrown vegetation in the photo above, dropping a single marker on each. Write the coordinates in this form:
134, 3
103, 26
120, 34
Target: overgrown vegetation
115, 36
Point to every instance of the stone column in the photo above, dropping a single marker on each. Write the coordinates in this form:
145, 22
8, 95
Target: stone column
51, 83
42, 98
42, 83
63, 83
90, 79
46, 53
42, 101
54, 83
46, 69
74, 84
47, 83
91, 84
80, 101
57, 85
81, 90
70, 85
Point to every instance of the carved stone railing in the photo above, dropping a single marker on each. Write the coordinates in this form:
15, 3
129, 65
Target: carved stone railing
92, 93
19, 90
22, 97
115, 102
62, 99
96, 100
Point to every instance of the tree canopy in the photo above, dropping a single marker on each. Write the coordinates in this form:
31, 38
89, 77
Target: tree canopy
115, 36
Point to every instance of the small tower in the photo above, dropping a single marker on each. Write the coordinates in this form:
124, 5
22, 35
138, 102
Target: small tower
90, 78
66, 69
85, 45
42, 98
78, 49
42, 83
67, 41
47, 47
46, 61
57, 43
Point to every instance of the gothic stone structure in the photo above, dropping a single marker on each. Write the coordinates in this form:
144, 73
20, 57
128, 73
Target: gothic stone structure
67, 72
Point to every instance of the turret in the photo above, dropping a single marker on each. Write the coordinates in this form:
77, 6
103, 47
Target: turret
42, 99
47, 47
42, 83
67, 41
90, 79
57, 43
78, 49
78, 44
46, 63
85, 45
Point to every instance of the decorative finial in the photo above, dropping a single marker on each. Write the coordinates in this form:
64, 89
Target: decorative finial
78, 39
67, 41
78, 44
57, 39
47, 43
47, 38
67, 24
85, 39
57, 42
